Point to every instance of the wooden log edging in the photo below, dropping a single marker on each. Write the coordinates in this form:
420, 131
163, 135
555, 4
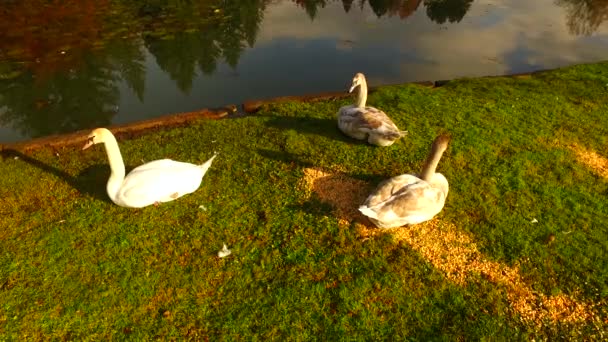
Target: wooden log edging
253, 106
133, 128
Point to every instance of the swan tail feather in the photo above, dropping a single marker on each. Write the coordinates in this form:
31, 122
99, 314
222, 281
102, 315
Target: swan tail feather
367, 211
206, 165
394, 135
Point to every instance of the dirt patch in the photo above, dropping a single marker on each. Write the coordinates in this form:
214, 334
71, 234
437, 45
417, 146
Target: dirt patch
450, 250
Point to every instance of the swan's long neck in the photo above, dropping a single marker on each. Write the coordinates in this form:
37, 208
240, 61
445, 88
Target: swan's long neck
362, 94
430, 165
116, 165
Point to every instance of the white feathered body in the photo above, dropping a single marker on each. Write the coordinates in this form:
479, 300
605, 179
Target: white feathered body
405, 199
158, 181
368, 123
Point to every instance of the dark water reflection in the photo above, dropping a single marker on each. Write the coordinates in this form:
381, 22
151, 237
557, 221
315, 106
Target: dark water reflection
84, 63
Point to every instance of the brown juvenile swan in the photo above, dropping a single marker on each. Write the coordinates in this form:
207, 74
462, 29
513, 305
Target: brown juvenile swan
361, 122
407, 199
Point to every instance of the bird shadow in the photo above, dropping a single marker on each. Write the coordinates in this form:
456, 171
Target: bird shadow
284, 157
336, 194
330, 192
91, 181
327, 128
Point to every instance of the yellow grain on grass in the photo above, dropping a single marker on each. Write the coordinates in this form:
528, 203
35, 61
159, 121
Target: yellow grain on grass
591, 159
343, 193
450, 250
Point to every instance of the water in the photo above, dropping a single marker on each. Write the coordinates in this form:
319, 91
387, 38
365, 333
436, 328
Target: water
91, 63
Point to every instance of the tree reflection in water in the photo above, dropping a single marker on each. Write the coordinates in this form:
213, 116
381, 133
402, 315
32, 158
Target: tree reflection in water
61, 62
202, 45
60, 67
585, 16
439, 11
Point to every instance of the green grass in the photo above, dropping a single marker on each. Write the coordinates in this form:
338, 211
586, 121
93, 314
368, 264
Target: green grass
75, 266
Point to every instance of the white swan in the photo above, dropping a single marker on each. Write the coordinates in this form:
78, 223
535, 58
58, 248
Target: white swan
361, 122
407, 199
151, 183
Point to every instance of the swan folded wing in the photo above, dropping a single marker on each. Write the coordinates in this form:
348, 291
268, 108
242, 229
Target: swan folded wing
417, 203
160, 164
348, 111
389, 188
369, 118
147, 185
414, 203
374, 121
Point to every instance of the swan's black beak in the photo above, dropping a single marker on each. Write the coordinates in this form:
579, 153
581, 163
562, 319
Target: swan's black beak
88, 144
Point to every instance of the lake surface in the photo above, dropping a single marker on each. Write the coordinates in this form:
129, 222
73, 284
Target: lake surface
80, 64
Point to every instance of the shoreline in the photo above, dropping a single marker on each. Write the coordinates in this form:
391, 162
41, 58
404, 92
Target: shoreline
248, 107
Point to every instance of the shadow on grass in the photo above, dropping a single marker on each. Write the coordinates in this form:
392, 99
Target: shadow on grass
334, 191
284, 157
305, 161
91, 181
324, 127
343, 193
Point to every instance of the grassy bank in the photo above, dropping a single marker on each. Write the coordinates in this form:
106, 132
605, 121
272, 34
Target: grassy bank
519, 251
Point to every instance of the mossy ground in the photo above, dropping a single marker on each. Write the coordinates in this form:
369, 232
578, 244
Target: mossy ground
75, 266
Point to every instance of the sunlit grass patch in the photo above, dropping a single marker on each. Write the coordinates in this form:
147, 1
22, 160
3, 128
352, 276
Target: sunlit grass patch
519, 251
451, 251
591, 159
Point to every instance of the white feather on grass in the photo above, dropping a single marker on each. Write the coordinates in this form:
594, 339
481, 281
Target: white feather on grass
224, 252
